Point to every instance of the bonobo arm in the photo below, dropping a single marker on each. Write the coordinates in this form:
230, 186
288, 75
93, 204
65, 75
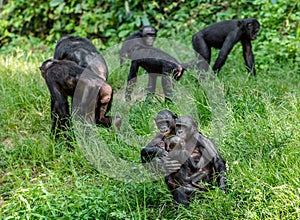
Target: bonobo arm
210, 153
248, 55
220, 169
149, 153
131, 80
232, 38
59, 108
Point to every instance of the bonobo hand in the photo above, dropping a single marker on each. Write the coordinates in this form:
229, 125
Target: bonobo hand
170, 165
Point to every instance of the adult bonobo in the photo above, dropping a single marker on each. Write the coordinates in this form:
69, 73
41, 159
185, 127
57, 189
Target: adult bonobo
145, 36
224, 35
155, 62
63, 78
202, 162
83, 52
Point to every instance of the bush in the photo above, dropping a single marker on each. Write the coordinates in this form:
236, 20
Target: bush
111, 21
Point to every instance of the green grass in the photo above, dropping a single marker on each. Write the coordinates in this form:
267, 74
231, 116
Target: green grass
254, 121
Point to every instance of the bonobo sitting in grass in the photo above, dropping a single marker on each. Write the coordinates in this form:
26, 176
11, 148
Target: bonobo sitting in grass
188, 160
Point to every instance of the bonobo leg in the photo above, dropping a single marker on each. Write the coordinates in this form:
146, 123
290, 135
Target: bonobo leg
203, 51
184, 194
152, 82
85, 99
59, 108
152, 77
105, 95
167, 85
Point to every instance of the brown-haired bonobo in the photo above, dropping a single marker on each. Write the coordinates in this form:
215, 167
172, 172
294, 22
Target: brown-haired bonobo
155, 62
224, 35
145, 36
62, 77
202, 163
155, 155
83, 52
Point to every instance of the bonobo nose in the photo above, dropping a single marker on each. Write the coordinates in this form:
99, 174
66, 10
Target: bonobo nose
179, 132
164, 129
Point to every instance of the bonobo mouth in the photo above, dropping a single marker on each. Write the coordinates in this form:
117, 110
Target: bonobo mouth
165, 132
149, 44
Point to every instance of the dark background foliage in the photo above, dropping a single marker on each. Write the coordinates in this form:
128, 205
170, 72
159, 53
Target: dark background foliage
111, 21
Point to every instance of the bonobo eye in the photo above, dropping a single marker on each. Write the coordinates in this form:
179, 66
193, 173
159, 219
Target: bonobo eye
249, 25
162, 124
151, 35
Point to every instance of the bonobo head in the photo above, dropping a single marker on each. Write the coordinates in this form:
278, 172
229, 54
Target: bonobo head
165, 122
186, 127
251, 28
148, 34
45, 65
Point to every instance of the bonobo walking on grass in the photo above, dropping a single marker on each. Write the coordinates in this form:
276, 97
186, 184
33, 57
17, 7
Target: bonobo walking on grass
145, 36
155, 62
224, 35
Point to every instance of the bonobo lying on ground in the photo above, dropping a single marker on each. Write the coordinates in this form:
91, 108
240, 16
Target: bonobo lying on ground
224, 35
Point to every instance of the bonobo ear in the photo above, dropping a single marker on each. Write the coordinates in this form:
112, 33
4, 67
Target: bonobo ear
46, 64
240, 23
141, 30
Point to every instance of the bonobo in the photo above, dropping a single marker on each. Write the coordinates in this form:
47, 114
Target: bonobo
83, 52
62, 77
155, 154
188, 174
155, 62
202, 162
145, 36
224, 35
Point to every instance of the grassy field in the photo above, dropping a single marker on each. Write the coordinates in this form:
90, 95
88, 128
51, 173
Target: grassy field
253, 121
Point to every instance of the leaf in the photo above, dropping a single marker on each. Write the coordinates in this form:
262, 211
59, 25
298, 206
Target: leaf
55, 3
123, 33
145, 20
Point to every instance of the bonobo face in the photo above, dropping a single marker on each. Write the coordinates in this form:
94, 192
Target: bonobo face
164, 127
252, 28
165, 122
186, 127
149, 35
183, 131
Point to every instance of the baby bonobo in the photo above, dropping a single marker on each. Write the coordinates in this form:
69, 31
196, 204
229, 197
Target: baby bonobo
155, 155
